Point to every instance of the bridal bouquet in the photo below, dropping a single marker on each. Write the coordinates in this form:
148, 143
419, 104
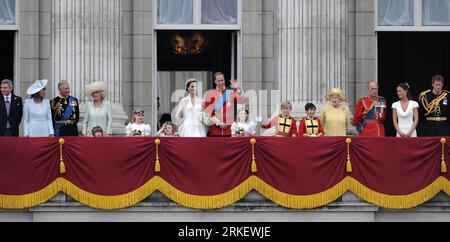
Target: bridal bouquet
239, 130
136, 133
204, 119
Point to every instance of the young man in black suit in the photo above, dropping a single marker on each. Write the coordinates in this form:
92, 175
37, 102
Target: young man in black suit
11, 110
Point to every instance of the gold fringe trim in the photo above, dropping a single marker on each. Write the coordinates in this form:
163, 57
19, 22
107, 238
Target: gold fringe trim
301, 202
228, 198
205, 202
32, 199
398, 202
110, 202
446, 185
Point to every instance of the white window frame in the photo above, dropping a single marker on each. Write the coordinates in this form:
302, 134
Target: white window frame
15, 27
418, 22
197, 21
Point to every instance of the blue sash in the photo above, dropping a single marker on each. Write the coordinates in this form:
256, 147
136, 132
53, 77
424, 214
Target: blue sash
372, 115
66, 116
224, 98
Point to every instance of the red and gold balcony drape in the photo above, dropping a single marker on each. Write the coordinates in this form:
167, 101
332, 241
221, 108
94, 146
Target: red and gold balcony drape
210, 173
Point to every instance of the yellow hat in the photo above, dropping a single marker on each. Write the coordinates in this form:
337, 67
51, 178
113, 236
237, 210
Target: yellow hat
337, 92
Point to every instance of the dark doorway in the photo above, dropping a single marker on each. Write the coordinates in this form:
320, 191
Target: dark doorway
7, 39
187, 50
183, 54
412, 57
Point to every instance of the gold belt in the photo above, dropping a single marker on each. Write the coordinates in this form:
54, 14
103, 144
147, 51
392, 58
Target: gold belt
437, 119
67, 122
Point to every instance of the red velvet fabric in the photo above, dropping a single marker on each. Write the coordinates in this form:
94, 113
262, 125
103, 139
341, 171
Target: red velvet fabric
27, 165
212, 166
396, 166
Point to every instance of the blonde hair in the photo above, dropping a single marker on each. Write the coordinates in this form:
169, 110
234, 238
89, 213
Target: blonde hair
286, 104
136, 112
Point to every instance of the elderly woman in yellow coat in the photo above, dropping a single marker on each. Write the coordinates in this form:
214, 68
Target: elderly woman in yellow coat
335, 117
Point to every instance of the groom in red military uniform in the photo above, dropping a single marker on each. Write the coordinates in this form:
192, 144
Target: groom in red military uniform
370, 113
220, 104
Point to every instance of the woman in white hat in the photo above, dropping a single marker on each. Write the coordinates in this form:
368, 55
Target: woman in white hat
98, 111
335, 118
189, 110
37, 112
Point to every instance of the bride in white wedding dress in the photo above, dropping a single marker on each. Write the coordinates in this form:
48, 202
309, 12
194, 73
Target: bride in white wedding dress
189, 110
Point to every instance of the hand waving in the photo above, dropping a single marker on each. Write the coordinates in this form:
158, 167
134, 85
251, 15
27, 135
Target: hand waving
234, 84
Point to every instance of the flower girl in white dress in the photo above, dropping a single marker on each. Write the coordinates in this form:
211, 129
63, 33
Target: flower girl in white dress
137, 127
243, 128
405, 113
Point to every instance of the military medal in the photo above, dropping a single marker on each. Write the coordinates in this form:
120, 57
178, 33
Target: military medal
229, 105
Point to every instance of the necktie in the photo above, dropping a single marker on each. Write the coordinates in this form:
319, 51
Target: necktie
8, 103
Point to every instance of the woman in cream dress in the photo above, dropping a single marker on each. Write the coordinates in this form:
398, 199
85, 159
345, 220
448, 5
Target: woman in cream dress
335, 118
405, 113
98, 111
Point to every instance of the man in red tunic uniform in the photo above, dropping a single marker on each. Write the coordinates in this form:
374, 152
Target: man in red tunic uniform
286, 125
370, 113
221, 103
311, 126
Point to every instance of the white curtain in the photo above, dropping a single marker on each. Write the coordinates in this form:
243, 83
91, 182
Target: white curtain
7, 12
396, 12
175, 11
219, 11
436, 12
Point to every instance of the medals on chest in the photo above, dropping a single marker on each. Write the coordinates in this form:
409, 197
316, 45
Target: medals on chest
73, 103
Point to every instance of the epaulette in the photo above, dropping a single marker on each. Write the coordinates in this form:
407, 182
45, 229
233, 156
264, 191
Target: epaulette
425, 92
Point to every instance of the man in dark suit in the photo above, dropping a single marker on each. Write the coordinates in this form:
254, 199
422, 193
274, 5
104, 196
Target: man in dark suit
11, 110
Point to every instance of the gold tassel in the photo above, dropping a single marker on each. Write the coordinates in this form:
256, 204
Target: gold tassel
62, 166
349, 163
443, 165
157, 164
349, 167
254, 166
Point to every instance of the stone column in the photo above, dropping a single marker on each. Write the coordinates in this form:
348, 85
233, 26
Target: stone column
87, 47
313, 50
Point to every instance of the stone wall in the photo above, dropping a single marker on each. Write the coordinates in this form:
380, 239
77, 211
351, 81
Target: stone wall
363, 47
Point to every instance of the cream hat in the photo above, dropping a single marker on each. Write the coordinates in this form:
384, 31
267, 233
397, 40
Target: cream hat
94, 87
337, 92
37, 87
